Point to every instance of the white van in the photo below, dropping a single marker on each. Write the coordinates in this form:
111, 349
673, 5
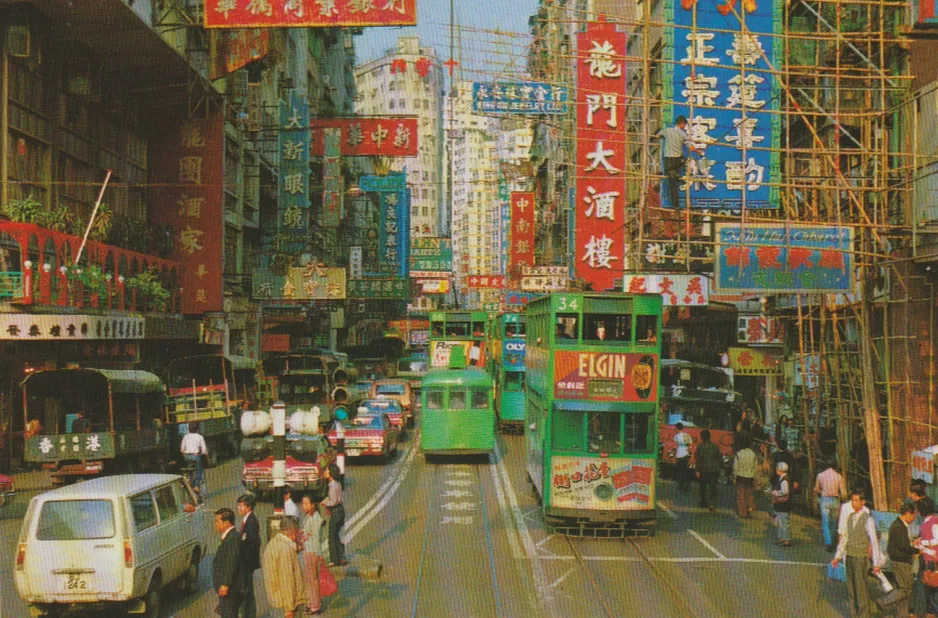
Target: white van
111, 541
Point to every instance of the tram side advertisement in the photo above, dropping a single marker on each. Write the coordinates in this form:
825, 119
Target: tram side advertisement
600, 376
602, 484
440, 352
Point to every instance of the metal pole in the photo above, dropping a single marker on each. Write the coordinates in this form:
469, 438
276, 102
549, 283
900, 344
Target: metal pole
340, 449
278, 416
94, 213
5, 129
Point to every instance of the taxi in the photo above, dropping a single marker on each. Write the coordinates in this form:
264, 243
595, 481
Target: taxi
368, 435
386, 405
398, 390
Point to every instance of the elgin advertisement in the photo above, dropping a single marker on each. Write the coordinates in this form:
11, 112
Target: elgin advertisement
440, 352
602, 376
602, 484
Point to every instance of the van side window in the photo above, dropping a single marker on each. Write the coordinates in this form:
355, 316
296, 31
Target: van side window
166, 503
144, 511
182, 494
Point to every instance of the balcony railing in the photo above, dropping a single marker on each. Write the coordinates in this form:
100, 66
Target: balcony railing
36, 262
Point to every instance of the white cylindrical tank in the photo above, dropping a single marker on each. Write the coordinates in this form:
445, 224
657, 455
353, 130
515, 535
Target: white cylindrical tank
255, 422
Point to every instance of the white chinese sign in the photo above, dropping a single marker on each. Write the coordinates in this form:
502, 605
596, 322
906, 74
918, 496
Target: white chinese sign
28, 327
681, 290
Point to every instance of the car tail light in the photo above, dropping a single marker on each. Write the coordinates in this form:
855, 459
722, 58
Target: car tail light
20, 556
128, 554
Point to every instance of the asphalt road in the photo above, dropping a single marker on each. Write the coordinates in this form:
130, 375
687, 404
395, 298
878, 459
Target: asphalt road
464, 537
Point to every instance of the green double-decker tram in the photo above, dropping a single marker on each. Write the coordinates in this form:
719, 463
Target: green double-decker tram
591, 426
508, 347
467, 330
458, 415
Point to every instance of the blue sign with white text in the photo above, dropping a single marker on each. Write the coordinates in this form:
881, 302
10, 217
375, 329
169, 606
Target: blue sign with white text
519, 98
394, 235
721, 80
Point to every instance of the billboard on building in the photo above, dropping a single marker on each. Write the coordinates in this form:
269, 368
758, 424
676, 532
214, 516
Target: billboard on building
678, 290
519, 98
379, 288
311, 282
186, 175
386, 136
431, 254
784, 258
332, 193
544, 279
394, 232
309, 13
293, 188
719, 77
600, 155
481, 282
521, 232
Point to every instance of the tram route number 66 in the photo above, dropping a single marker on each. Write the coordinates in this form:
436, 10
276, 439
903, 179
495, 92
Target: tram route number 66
567, 303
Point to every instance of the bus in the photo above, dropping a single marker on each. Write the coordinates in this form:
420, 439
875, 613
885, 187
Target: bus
507, 368
458, 410
591, 420
699, 397
458, 329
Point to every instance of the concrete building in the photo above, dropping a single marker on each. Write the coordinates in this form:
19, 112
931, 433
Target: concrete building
408, 80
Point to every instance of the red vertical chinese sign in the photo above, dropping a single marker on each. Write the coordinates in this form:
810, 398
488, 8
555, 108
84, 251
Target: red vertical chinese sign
600, 155
521, 233
186, 170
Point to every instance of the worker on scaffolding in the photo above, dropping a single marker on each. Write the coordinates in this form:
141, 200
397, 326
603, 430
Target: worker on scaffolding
673, 141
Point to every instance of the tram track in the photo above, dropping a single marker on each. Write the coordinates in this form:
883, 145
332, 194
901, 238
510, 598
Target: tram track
449, 550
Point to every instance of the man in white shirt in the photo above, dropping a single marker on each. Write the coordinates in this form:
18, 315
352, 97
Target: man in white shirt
682, 442
857, 543
289, 506
193, 447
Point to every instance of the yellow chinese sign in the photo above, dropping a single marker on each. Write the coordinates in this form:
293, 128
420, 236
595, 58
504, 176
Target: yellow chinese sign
755, 361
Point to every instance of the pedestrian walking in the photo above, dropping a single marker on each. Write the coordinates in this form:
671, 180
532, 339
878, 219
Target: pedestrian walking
674, 139
226, 565
682, 442
831, 489
781, 500
744, 475
193, 448
312, 528
708, 470
857, 544
336, 511
283, 579
250, 553
901, 554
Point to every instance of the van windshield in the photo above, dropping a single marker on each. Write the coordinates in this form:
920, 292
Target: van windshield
76, 520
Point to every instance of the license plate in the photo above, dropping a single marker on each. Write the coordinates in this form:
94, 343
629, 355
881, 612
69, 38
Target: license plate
353, 452
75, 582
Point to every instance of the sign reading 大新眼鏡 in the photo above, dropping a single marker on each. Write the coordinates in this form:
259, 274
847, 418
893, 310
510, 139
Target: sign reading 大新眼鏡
293, 191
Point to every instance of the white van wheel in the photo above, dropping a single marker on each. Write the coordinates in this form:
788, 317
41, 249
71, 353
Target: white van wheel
153, 599
190, 580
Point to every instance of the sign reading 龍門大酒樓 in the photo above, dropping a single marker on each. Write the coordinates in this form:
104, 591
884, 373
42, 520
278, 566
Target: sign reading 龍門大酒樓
309, 13
784, 258
721, 78
605, 376
609, 483
518, 98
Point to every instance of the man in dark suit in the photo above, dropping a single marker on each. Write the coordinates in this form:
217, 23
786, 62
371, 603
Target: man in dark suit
250, 553
901, 554
225, 568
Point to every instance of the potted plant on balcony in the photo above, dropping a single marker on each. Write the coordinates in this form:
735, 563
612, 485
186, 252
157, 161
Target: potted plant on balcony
26, 210
150, 292
90, 280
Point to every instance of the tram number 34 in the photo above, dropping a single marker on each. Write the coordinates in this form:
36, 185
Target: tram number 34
567, 303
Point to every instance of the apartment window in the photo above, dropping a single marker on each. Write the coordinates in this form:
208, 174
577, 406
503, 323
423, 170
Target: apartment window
391, 104
402, 103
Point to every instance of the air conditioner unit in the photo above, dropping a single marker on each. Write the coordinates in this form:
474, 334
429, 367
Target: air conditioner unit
18, 41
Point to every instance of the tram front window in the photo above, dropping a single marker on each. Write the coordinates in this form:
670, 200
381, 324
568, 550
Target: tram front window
514, 381
636, 431
604, 433
434, 400
457, 400
646, 329
456, 330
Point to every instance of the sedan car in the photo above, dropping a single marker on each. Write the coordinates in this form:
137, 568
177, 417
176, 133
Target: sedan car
7, 490
385, 405
367, 435
398, 390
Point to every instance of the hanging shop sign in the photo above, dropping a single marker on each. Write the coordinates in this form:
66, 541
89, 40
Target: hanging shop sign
755, 361
923, 464
760, 330
385, 136
394, 234
605, 376
544, 279
600, 155
925, 14
806, 375
720, 78
433, 286
492, 282
311, 282
518, 98
514, 298
309, 13
245, 46
521, 232
431, 254
186, 176
332, 194
784, 258
681, 290
293, 190
504, 230
379, 289
355, 262
606, 484
422, 66
440, 352
28, 327
418, 338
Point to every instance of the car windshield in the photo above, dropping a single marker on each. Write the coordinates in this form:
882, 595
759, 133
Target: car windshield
76, 520
367, 422
390, 389
385, 406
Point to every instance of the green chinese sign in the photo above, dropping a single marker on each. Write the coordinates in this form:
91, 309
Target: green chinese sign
431, 254
379, 289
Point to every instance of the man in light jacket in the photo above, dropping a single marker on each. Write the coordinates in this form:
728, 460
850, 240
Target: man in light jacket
744, 473
283, 578
857, 542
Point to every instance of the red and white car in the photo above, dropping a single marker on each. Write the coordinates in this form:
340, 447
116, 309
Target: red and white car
368, 435
389, 407
7, 490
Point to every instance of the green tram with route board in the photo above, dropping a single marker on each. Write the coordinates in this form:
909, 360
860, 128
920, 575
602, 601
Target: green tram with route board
458, 329
506, 364
591, 426
457, 410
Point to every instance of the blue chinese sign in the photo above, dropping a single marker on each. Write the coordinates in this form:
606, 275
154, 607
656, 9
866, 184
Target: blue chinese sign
784, 258
720, 80
394, 233
519, 98
293, 190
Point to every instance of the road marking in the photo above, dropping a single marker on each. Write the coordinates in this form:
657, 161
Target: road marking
562, 577
384, 486
458, 473
544, 540
503, 508
457, 520
459, 506
457, 493
707, 545
686, 560
405, 468
668, 511
459, 483
540, 579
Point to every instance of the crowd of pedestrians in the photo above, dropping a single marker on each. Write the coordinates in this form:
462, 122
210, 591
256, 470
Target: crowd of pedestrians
293, 565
